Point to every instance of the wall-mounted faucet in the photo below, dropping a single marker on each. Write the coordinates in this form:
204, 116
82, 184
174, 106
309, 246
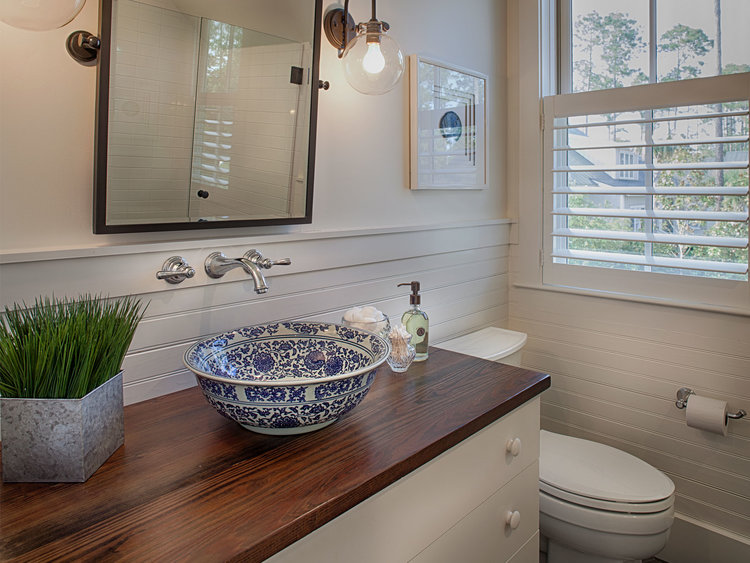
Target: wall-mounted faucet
217, 264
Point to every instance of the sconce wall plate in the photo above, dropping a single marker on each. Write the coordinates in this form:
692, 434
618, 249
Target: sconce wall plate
83, 46
333, 26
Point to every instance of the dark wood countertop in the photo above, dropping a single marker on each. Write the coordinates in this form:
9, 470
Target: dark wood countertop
191, 485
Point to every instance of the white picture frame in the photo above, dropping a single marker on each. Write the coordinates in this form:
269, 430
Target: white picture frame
447, 126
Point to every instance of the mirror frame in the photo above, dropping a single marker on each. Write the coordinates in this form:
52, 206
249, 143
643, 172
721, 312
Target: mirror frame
100, 225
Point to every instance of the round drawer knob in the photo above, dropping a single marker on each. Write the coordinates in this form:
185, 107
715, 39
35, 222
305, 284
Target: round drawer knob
513, 446
513, 519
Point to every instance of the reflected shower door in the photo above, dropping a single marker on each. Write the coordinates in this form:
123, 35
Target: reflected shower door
249, 159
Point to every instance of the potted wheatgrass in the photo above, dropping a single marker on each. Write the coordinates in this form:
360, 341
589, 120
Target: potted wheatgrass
61, 401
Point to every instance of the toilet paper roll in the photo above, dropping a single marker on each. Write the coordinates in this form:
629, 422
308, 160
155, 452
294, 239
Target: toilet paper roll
707, 414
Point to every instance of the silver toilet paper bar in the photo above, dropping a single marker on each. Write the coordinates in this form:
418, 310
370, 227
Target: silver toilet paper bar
682, 399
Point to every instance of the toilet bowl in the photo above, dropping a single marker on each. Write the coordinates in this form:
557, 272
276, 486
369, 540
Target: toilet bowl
597, 504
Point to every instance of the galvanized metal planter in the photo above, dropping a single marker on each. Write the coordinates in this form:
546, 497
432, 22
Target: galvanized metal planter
61, 440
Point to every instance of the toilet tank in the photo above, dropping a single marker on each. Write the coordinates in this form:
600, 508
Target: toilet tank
491, 343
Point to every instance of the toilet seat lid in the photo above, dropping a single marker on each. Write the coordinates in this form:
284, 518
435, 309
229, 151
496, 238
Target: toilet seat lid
490, 343
591, 470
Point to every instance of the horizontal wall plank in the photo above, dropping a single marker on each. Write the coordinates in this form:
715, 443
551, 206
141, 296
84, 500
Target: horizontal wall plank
638, 347
157, 386
718, 515
736, 504
626, 389
700, 330
185, 298
124, 274
300, 298
153, 361
710, 449
161, 384
676, 374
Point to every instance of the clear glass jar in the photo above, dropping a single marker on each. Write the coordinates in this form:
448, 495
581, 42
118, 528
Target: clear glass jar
381, 327
402, 354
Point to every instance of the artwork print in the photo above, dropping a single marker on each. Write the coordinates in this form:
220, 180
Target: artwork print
448, 133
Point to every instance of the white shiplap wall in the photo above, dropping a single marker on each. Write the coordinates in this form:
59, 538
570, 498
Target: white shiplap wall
463, 270
616, 367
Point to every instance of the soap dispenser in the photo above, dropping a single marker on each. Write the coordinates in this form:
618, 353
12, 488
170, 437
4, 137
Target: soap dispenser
416, 322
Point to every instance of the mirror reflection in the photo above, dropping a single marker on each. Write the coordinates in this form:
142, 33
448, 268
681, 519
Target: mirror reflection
209, 108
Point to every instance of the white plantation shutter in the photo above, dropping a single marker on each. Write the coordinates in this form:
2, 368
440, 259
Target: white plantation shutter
648, 180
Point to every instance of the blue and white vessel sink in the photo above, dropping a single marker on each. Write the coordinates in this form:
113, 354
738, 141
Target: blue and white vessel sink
287, 378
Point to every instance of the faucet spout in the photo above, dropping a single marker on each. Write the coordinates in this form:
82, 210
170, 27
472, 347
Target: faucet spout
253, 262
216, 265
254, 271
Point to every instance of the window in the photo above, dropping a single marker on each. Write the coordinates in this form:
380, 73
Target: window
617, 43
626, 158
646, 170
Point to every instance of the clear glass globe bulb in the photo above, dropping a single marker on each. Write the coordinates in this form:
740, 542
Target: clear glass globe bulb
39, 15
373, 61
374, 67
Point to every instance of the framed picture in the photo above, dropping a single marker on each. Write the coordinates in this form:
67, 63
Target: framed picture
448, 126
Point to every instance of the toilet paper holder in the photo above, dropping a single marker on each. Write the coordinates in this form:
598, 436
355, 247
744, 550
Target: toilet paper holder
682, 399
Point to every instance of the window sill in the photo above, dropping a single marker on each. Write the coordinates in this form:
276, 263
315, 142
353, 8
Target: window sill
737, 311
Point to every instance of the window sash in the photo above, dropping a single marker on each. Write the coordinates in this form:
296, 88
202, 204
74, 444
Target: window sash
702, 91
563, 39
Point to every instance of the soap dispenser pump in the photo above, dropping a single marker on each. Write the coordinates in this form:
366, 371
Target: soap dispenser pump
416, 322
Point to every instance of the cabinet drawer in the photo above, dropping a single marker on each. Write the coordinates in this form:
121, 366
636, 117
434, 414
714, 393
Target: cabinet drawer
404, 518
485, 534
529, 553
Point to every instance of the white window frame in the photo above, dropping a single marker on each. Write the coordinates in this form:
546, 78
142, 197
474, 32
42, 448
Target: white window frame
704, 291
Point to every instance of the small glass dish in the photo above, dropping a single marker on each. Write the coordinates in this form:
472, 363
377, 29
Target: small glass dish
381, 327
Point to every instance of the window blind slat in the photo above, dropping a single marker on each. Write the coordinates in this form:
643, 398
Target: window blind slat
642, 190
680, 143
731, 165
737, 217
682, 117
654, 261
659, 238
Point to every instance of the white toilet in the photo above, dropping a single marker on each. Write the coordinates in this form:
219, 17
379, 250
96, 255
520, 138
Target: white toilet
597, 504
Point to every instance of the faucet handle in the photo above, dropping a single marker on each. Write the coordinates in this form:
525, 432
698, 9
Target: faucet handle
175, 270
280, 262
257, 258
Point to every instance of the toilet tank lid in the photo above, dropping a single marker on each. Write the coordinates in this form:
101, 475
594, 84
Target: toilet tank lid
594, 470
489, 343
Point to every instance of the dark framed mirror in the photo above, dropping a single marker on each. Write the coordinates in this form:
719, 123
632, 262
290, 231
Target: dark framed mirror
206, 114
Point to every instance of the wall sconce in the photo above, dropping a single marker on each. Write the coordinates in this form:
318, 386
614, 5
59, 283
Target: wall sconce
45, 15
373, 61
39, 15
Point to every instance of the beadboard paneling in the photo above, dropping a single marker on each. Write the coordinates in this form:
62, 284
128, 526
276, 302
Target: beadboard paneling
616, 367
463, 270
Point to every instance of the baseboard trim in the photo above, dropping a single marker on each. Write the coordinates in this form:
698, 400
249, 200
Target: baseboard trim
692, 541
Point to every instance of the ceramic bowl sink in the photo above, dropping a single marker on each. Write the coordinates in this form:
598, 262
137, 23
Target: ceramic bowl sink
287, 378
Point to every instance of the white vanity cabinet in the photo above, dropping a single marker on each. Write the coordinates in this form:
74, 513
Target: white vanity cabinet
478, 501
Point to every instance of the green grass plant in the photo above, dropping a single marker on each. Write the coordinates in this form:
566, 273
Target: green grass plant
64, 348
